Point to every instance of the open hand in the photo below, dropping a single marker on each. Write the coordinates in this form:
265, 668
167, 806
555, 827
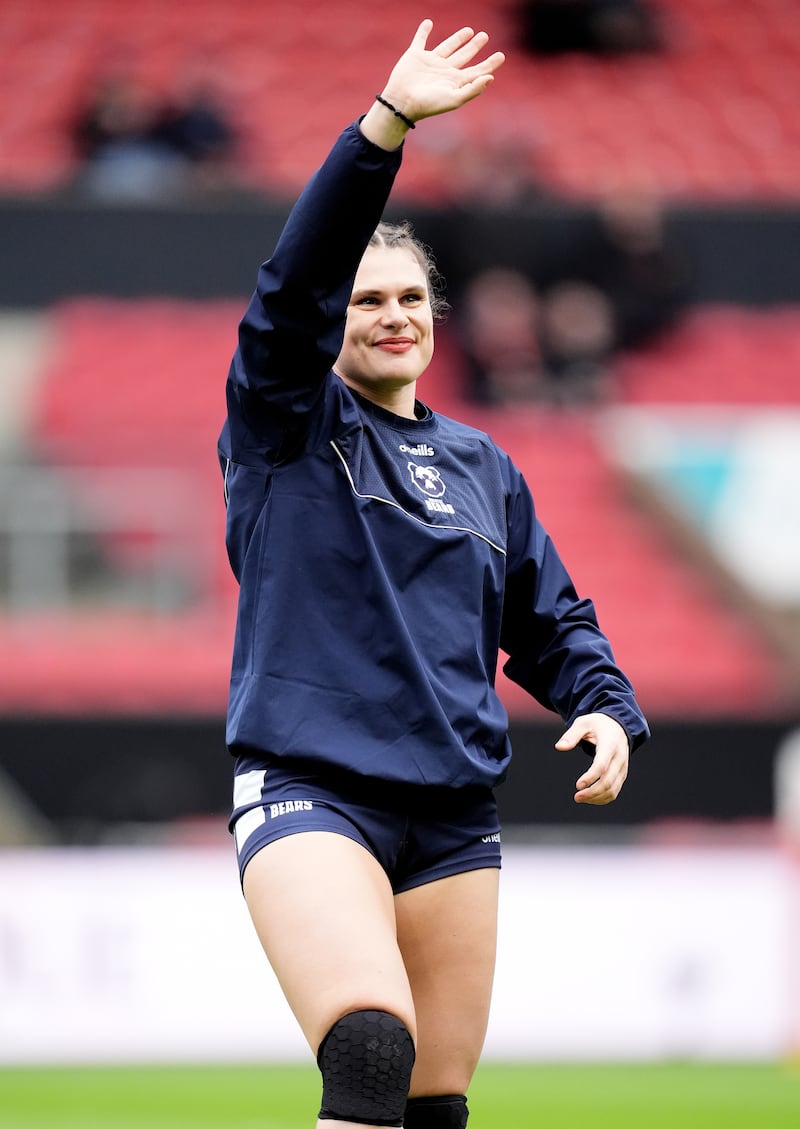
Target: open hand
426, 82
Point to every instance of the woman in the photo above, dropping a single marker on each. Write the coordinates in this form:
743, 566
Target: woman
384, 555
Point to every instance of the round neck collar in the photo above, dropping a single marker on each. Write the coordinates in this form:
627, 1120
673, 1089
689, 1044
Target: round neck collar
424, 417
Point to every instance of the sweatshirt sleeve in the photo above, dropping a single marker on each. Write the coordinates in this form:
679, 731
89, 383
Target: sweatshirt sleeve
292, 330
556, 649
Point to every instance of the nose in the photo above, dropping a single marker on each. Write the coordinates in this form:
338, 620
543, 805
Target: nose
393, 313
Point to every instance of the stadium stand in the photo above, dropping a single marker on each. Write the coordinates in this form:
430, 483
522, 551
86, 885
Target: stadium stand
732, 71
720, 355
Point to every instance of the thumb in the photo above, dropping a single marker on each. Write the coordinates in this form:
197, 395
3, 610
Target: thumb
570, 737
420, 39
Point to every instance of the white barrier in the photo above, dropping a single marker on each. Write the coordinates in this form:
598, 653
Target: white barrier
605, 953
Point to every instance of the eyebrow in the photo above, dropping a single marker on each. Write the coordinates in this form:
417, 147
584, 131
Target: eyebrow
376, 291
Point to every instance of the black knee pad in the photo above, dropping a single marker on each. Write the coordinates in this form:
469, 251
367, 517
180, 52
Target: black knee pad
446, 1112
366, 1060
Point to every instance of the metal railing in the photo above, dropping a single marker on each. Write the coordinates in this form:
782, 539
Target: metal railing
119, 537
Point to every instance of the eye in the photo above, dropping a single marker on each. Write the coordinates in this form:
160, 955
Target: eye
367, 300
414, 298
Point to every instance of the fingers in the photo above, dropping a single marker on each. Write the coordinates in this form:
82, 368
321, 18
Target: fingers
483, 73
449, 46
463, 45
493, 63
455, 42
471, 87
602, 781
461, 48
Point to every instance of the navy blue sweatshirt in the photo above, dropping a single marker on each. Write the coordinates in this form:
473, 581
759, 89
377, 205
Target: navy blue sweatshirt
383, 562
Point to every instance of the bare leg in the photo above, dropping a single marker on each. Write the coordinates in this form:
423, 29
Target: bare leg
324, 913
447, 934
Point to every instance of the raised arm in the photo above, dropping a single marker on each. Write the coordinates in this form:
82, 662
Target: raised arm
292, 331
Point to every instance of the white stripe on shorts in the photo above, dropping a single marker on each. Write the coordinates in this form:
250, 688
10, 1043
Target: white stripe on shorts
247, 790
246, 824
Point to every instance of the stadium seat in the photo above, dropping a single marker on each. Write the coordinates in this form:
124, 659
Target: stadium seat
725, 85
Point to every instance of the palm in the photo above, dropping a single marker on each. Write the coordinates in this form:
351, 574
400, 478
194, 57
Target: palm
433, 81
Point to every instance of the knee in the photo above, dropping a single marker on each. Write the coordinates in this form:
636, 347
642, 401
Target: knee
366, 1061
448, 1111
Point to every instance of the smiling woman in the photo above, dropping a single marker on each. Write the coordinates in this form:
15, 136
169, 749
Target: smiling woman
377, 591
388, 336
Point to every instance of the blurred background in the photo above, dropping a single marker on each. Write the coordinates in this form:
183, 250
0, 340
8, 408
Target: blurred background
618, 223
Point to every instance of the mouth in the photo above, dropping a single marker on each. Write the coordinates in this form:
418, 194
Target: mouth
395, 344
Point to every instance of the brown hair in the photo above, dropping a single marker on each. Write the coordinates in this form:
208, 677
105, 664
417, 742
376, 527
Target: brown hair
402, 236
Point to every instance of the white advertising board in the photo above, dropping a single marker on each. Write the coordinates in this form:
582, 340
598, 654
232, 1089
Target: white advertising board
126, 955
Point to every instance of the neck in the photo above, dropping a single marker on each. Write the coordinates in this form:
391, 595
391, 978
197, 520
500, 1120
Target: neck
399, 401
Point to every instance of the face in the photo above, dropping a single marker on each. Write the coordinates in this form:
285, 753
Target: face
388, 338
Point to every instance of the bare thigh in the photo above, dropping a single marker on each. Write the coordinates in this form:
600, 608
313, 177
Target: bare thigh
324, 913
447, 931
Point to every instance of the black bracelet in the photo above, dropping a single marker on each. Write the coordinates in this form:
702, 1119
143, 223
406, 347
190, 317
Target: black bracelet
397, 113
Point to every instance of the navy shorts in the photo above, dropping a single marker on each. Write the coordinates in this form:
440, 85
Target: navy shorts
418, 834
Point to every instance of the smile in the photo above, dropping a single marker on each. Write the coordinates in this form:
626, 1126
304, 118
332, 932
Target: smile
395, 344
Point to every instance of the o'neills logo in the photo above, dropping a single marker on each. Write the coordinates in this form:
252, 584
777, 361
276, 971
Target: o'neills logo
422, 449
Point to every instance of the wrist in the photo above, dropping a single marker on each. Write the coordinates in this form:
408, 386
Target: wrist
396, 111
383, 128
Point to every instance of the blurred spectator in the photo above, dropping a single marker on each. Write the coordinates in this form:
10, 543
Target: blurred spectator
495, 167
117, 139
598, 27
135, 147
625, 257
521, 346
194, 127
617, 284
498, 334
500, 169
576, 337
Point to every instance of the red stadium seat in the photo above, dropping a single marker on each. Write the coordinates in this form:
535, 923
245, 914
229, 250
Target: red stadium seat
729, 76
719, 355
